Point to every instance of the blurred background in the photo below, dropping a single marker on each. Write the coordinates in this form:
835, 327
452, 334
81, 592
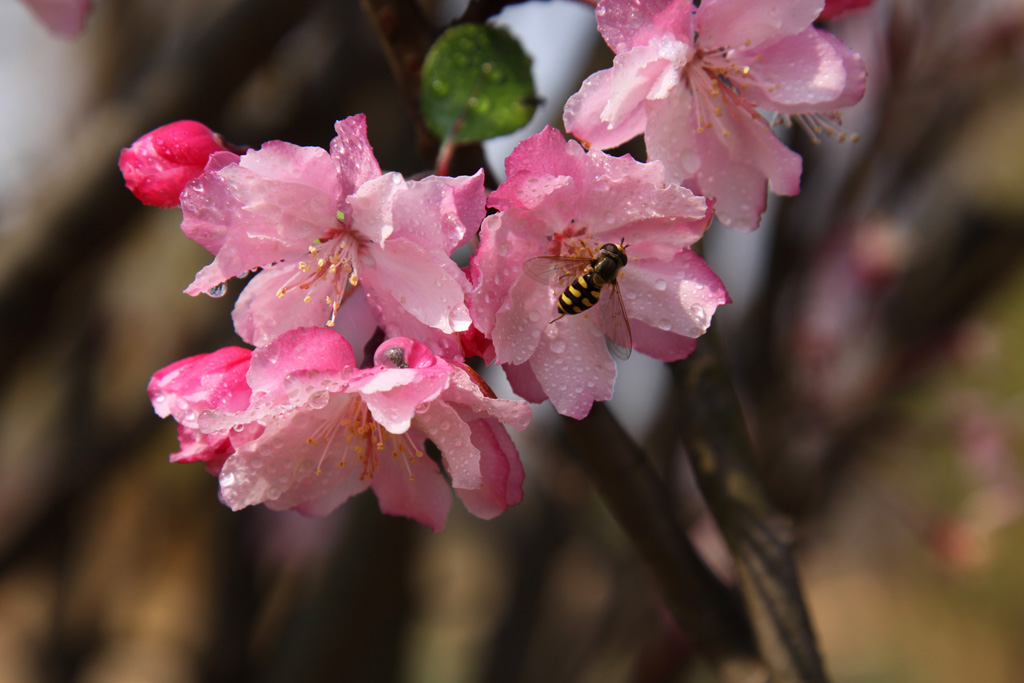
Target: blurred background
874, 339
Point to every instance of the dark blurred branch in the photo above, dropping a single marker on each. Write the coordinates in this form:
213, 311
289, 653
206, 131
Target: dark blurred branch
759, 539
705, 609
82, 210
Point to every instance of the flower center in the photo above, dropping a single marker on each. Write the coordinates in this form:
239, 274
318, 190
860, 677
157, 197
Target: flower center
333, 261
365, 440
717, 80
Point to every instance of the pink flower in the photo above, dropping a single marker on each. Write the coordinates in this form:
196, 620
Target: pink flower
691, 79
319, 430
561, 201
63, 17
159, 164
187, 388
320, 223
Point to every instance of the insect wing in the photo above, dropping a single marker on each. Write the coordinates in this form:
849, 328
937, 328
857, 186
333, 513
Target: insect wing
615, 323
555, 270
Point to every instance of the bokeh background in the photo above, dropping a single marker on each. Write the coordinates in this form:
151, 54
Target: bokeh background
874, 339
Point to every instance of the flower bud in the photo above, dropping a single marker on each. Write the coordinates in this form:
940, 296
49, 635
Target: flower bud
158, 165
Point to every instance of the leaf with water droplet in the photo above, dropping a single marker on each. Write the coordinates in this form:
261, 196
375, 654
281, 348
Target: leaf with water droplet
476, 84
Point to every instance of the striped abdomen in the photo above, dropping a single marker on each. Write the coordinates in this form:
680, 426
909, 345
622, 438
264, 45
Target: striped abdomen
581, 294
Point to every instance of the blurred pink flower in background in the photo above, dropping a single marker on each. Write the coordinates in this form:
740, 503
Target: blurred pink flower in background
63, 17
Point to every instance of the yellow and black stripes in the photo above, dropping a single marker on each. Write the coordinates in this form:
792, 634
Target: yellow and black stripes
581, 294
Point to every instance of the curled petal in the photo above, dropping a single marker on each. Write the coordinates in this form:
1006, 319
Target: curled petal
809, 71
306, 351
501, 469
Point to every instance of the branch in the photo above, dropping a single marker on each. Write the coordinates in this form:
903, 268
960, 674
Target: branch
759, 539
705, 609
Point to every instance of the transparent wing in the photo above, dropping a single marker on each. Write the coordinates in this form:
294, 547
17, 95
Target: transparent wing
555, 270
615, 322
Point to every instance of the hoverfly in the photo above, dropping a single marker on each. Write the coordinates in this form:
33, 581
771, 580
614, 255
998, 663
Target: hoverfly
584, 278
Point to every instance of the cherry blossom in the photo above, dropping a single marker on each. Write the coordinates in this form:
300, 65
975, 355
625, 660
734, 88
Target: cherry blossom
63, 17
320, 223
158, 165
315, 429
187, 388
691, 79
562, 201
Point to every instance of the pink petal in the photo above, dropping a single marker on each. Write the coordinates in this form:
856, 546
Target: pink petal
524, 382
209, 381
317, 351
427, 284
573, 366
609, 110
279, 468
666, 346
735, 170
260, 314
354, 161
439, 212
502, 472
583, 110
466, 394
677, 296
270, 206
443, 425
412, 487
394, 394
522, 320
803, 73
741, 23
626, 24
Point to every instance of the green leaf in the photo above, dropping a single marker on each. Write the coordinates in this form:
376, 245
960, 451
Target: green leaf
476, 84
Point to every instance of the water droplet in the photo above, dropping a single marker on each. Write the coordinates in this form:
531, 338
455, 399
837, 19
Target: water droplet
534, 316
664, 324
227, 479
218, 290
698, 315
558, 346
304, 469
660, 285
159, 398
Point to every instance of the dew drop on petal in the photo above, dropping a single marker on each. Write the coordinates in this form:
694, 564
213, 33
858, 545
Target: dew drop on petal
698, 315
218, 290
664, 324
557, 346
227, 479
660, 285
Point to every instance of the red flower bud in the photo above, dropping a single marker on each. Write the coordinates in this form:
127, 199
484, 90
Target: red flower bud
158, 165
